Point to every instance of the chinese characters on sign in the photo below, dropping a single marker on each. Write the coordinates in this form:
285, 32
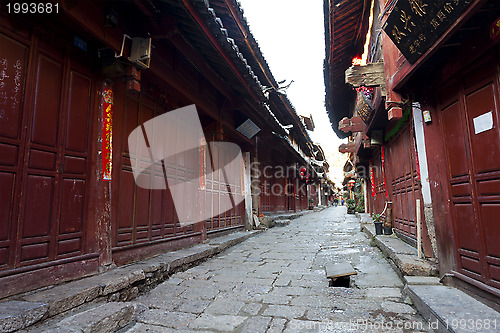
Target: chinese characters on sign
363, 108
495, 29
414, 25
107, 134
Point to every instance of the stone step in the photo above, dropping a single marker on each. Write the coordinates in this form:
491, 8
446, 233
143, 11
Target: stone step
403, 256
16, 315
281, 223
448, 309
123, 283
105, 318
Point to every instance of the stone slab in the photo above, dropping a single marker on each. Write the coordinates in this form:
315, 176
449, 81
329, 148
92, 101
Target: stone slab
450, 306
339, 269
223, 323
67, 296
166, 319
422, 280
16, 315
402, 255
105, 318
411, 265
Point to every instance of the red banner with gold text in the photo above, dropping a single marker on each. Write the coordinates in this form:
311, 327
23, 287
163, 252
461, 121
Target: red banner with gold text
107, 134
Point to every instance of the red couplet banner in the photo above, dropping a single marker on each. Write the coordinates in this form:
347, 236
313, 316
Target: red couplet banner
107, 134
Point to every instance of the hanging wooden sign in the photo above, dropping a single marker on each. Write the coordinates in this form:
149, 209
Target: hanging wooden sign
107, 134
414, 25
364, 108
495, 29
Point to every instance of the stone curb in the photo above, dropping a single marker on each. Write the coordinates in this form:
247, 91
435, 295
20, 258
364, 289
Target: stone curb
447, 308
403, 256
119, 284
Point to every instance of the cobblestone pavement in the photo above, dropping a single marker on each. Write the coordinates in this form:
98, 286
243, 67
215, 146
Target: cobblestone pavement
275, 282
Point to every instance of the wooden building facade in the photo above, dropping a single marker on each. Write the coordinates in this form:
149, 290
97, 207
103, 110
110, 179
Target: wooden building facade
73, 89
431, 131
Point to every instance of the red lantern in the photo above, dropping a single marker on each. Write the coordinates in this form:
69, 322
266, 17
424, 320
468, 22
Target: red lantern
302, 172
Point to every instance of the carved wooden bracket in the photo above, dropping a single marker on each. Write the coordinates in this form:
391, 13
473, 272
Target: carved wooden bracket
350, 147
355, 124
370, 75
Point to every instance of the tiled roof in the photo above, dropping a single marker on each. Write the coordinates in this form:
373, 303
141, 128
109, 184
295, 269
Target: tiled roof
346, 25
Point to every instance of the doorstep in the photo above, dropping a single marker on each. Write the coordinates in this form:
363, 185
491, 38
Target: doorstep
448, 309
443, 307
120, 284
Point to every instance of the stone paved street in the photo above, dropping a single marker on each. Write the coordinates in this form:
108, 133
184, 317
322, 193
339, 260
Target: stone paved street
275, 282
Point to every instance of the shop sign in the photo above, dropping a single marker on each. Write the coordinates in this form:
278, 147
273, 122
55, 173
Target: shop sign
495, 29
364, 108
415, 25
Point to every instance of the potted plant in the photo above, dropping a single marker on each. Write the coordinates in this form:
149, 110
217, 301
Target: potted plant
360, 206
351, 206
310, 200
377, 220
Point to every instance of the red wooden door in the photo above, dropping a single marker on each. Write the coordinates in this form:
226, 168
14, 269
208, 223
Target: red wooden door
45, 119
219, 186
402, 181
144, 216
470, 125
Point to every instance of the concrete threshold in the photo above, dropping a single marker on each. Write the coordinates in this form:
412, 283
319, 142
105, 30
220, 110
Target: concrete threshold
445, 308
120, 284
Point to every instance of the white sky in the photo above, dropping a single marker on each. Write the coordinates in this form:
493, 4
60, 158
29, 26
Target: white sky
291, 36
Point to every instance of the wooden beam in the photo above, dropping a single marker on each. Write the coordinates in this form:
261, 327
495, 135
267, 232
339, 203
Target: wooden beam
370, 75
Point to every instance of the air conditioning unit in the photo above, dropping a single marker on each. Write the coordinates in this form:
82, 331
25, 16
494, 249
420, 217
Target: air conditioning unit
140, 53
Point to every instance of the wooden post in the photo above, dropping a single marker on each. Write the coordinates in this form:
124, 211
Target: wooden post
419, 233
248, 191
388, 216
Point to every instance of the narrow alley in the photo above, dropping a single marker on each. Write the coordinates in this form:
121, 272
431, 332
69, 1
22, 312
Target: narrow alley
275, 282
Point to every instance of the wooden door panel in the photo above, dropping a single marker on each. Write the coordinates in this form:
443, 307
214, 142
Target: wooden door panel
471, 265
72, 208
453, 133
461, 190
78, 116
38, 206
466, 227
47, 102
13, 62
485, 145
42, 160
488, 187
6, 193
38, 218
491, 223
7, 183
